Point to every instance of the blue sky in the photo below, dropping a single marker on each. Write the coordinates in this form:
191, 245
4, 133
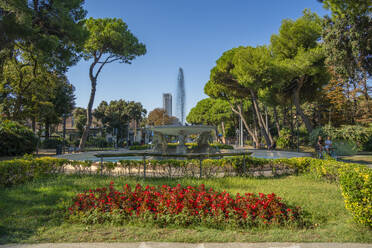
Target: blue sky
191, 34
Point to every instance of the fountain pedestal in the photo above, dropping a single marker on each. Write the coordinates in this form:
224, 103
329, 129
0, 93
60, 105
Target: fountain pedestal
181, 148
160, 144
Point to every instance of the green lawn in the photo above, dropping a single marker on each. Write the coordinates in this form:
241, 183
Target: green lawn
35, 212
361, 159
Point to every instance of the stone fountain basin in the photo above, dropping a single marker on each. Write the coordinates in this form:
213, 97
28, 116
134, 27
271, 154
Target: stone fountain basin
176, 130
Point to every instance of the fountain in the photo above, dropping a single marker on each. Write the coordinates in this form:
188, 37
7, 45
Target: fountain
205, 133
162, 150
181, 95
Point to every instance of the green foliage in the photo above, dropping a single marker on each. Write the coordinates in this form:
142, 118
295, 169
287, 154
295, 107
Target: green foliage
215, 112
210, 111
118, 114
80, 118
351, 134
344, 148
109, 41
355, 179
140, 147
347, 42
53, 30
341, 7
296, 36
222, 146
33, 92
113, 38
98, 142
368, 145
356, 185
51, 143
300, 58
52, 196
16, 139
285, 138
18, 171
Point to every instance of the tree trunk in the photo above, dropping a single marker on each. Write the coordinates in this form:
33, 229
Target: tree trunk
276, 120
261, 122
266, 120
256, 131
247, 127
296, 100
223, 132
240, 114
365, 92
285, 115
93, 80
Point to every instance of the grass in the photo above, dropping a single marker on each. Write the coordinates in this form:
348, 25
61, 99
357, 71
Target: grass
35, 212
360, 159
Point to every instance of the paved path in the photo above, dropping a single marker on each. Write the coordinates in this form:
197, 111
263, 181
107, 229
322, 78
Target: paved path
256, 153
186, 245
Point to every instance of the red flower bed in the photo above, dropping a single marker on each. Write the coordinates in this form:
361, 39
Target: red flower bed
192, 204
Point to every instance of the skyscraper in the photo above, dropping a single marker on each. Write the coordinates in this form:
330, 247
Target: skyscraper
167, 103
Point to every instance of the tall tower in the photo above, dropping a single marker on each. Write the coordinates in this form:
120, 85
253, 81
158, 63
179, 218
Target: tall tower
167, 103
180, 104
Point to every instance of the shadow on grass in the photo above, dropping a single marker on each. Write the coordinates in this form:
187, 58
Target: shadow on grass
355, 161
36, 205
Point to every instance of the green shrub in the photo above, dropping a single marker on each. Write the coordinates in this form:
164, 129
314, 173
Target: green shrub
51, 143
367, 146
285, 139
222, 146
344, 148
16, 139
17, 171
140, 147
355, 181
356, 185
361, 136
98, 142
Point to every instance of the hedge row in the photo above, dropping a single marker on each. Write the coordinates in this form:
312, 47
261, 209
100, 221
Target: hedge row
355, 180
18, 171
140, 147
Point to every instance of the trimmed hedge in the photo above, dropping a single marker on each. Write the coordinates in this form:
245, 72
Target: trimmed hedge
18, 171
16, 139
355, 179
356, 185
140, 147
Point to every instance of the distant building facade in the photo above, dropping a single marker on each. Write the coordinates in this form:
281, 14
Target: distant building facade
167, 103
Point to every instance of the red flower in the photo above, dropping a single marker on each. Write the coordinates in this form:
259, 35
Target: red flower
191, 201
